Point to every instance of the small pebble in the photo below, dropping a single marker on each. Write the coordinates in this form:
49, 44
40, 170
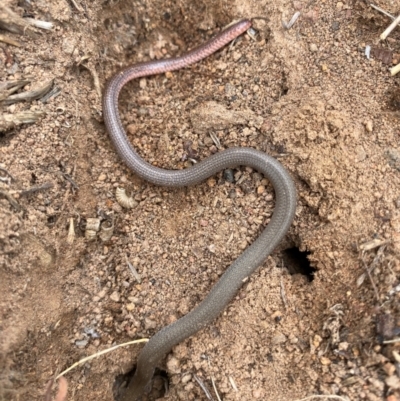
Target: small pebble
389, 369
317, 341
186, 378
149, 324
278, 338
115, 296
102, 293
228, 175
369, 126
260, 189
325, 361
211, 182
393, 382
143, 83
173, 365
81, 343
236, 56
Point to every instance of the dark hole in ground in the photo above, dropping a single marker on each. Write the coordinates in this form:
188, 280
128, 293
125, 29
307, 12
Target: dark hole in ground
297, 262
159, 385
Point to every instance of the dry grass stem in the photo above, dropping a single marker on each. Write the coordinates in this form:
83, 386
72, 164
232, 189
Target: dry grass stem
97, 354
390, 28
381, 10
323, 397
9, 41
395, 70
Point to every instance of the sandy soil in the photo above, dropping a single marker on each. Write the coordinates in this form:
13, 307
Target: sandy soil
315, 319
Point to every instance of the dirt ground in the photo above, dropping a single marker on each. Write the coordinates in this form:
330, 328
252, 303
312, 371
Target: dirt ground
320, 317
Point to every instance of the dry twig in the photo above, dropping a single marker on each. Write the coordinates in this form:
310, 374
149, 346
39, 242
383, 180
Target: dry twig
390, 28
10, 121
9, 41
30, 95
36, 188
323, 397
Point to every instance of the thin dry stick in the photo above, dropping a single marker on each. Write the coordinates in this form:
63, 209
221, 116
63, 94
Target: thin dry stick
134, 272
382, 11
9, 41
288, 25
283, 294
321, 397
372, 266
77, 6
203, 387
390, 28
213, 381
105, 351
36, 188
395, 340
395, 70
372, 282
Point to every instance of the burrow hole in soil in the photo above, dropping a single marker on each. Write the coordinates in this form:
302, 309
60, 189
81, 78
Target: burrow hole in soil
159, 385
297, 262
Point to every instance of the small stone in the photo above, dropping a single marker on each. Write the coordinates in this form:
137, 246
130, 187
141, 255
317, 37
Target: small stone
186, 378
68, 45
132, 129
258, 393
102, 177
325, 361
204, 223
236, 56
313, 48
317, 341
143, 83
149, 324
312, 135
169, 74
389, 369
369, 126
242, 245
173, 365
260, 189
393, 382
222, 66
115, 296
102, 293
339, 5
278, 338
211, 182
130, 307
228, 175
81, 343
